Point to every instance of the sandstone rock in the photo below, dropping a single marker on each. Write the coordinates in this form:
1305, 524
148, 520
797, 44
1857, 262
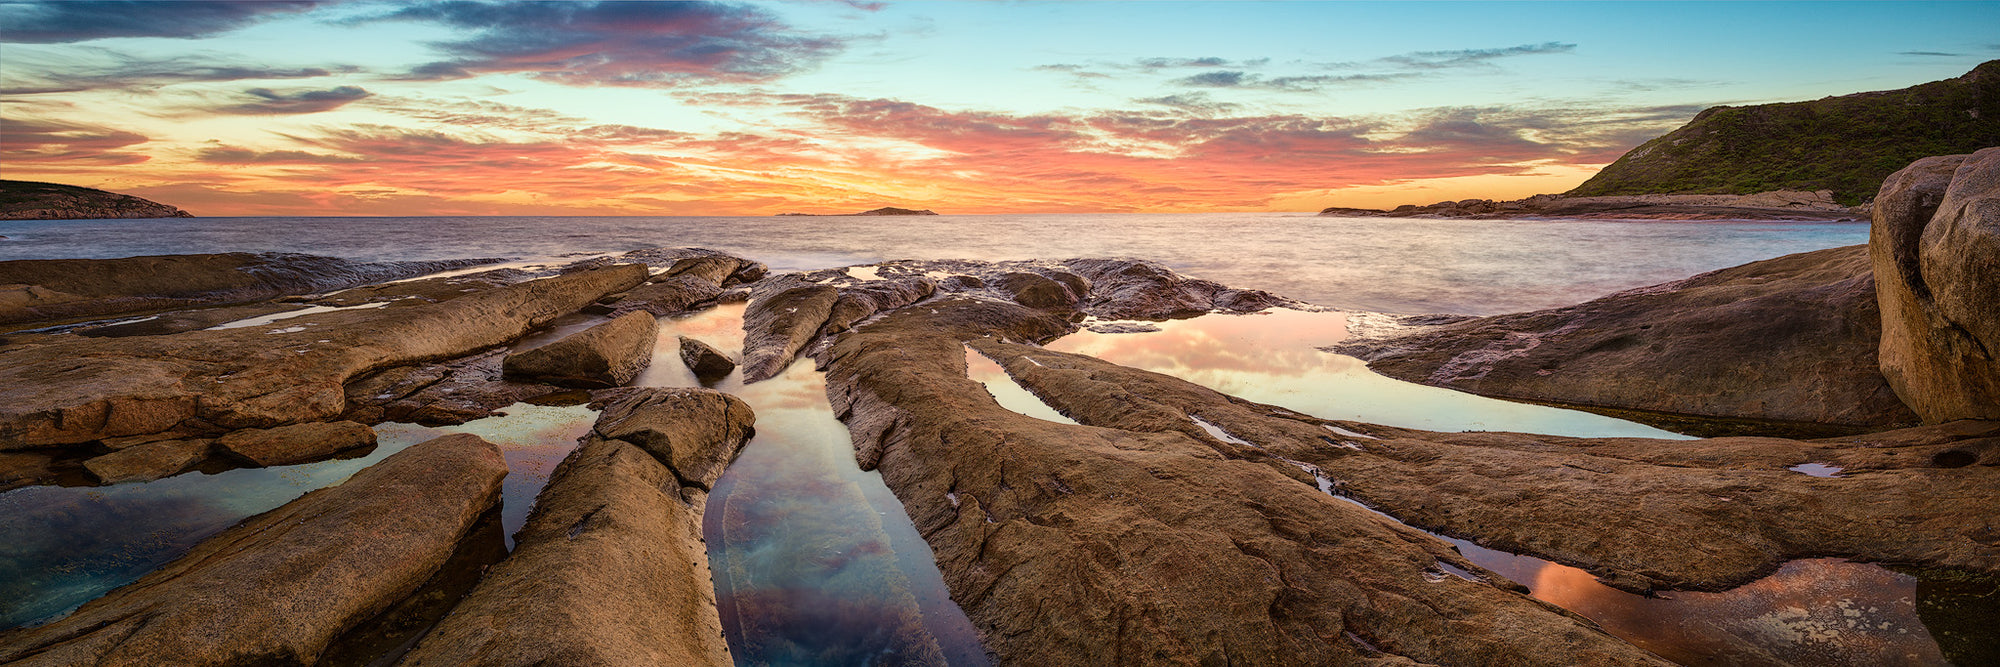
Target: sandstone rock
668, 297
63, 390
749, 272
1623, 508
296, 443
1936, 249
606, 355
280, 586
777, 326
151, 461
1124, 289
707, 363
440, 394
18, 469
610, 569
1074, 545
1790, 339
50, 289
712, 270
1035, 291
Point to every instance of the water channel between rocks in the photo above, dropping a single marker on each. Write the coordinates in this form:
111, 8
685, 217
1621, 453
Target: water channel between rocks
816, 562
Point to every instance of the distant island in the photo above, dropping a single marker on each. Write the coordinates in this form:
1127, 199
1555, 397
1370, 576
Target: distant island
886, 210
30, 200
1817, 160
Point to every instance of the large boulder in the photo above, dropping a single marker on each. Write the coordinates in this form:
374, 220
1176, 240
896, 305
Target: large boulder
1936, 252
64, 389
606, 355
610, 569
279, 587
1790, 339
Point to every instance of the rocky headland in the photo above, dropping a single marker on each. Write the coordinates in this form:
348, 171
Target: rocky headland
886, 210
1776, 205
1171, 523
30, 200
1820, 160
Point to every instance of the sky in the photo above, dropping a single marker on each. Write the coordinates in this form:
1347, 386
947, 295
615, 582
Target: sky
753, 108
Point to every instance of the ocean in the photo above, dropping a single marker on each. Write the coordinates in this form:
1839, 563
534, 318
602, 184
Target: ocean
1409, 266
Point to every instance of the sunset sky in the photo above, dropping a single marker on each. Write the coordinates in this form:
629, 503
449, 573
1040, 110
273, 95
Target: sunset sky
724, 108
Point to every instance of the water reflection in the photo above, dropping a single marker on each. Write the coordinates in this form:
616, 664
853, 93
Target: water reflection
815, 561
1008, 393
1269, 357
63, 547
532, 438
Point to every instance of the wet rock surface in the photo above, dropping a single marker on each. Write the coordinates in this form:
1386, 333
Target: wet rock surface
1936, 248
150, 461
34, 290
1081, 545
295, 443
610, 569
707, 363
787, 314
1623, 508
59, 390
280, 586
452, 392
606, 355
1791, 339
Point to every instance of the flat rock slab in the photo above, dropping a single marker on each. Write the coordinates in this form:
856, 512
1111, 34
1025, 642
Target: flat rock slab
1624, 508
1078, 545
607, 355
153, 460
297, 443
280, 586
610, 569
64, 390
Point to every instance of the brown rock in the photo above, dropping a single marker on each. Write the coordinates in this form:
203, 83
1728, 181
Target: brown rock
52, 289
18, 469
670, 296
777, 326
152, 460
451, 392
280, 586
1035, 291
606, 355
1790, 339
1623, 508
1074, 545
294, 444
712, 270
610, 569
1936, 247
709, 364
1125, 289
77, 390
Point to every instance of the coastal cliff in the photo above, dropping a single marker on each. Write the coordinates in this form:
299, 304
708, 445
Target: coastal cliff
29, 200
1845, 144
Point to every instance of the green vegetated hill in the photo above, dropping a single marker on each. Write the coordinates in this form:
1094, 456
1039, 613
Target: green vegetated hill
1846, 144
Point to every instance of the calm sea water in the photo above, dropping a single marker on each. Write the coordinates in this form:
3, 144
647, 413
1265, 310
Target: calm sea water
1397, 266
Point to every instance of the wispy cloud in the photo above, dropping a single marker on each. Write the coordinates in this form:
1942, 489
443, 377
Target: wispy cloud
615, 43
51, 143
103, 69
1930, 54
50, 22
1428, 60
267, 101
